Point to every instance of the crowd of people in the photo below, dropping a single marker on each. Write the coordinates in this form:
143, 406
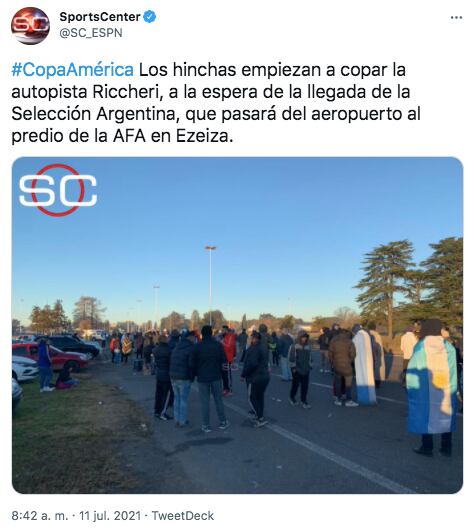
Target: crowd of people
432, 371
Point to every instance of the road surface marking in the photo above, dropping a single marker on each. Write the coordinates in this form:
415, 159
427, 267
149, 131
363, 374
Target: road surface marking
355, 468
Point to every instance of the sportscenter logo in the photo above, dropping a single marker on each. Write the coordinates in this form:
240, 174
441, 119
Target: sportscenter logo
28, 185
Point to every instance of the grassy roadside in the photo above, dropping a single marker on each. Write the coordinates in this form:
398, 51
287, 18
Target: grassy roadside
69, 441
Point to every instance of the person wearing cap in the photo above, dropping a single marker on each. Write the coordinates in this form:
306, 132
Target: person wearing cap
207, 361
300, 360
431, 387
181, 375
257, 376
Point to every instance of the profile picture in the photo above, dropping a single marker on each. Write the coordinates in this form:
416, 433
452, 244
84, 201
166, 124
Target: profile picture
30, 25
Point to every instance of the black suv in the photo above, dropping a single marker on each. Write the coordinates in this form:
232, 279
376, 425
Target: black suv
70, 344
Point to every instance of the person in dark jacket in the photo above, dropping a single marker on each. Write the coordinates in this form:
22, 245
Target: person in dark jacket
207, 361
264, 340
164, 396
257, 376
300, 360
284, 343
148, 347
242, 339
341, 355
182, 376
139, 345
273, 349
324, 340
173, 339
65, 380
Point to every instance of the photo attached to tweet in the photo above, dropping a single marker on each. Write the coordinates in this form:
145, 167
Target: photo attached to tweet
191, 346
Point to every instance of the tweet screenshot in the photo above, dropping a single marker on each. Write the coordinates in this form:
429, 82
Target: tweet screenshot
232, 264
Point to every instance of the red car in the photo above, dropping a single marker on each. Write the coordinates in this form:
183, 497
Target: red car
60, 359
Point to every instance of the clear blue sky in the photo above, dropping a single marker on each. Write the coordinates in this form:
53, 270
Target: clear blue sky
291, 232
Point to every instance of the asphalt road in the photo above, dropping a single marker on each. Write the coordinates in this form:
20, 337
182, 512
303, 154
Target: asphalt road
326, 449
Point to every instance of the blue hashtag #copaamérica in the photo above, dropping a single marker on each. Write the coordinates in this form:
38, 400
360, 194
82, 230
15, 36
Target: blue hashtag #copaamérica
149, 16
16, 69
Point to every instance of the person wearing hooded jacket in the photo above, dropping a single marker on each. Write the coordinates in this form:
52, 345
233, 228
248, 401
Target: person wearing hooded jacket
164, 395
256, 373
341, 355
181, 375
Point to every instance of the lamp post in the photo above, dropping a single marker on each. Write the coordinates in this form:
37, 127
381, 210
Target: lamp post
156, 288
210, 248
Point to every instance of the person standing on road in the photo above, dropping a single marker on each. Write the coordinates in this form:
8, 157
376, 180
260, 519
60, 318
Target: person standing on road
173, 339
45, 366
164, 396
115, 349
341, 355
139, 345
228, 340
242, 339
207, 361
432, 386
148, 346
300, 360
256, 373
380, 363
407, 344
273, 349
364, 366
181, 376
127, 347
284, 344
323, 342
264, 340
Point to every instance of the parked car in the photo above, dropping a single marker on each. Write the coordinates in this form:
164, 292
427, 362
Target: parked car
69, 343
25, 338
60, 359
24, 369
17, 393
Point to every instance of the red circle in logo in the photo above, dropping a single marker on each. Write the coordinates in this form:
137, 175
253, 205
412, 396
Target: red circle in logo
81, 195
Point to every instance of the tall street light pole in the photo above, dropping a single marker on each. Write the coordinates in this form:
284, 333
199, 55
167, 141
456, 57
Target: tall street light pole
156, 288
210, 248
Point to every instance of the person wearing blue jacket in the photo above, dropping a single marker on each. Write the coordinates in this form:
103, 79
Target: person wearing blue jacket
45, 366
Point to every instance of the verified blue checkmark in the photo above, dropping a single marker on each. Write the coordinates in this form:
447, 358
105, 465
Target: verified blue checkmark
149, 16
